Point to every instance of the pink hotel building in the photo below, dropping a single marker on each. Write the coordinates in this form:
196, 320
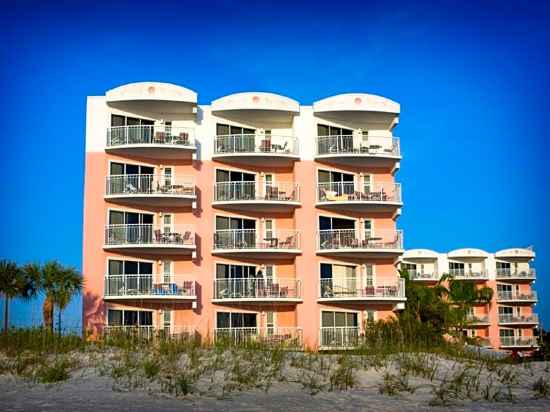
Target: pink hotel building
257, 218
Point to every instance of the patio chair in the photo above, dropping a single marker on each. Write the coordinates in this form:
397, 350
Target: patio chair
160, 137
287, 243
130, 188
183, 138
186, 237
159, 238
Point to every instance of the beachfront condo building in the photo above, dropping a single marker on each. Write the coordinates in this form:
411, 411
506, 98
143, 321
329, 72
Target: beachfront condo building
252, 217
507, 322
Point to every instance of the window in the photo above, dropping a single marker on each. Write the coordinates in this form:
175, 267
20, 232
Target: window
339, 319
269, 233
167, 223
117, 317
129, 218
129, 267
409, 267
235, 320
369, 275
326, 130
370, 316
335, 183
168, 176
368, 228
506, 333
235, 185
118, 120
456, 268
167, 271
227, 271
270, 322
167, 321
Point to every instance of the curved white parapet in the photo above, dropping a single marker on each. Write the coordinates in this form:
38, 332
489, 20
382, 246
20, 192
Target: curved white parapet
356, 102
420, 254
516, 253
468, 253
153, 99
151, 91
255, 101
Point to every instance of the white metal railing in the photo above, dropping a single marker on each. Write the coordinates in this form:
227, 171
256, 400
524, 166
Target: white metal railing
140, 184
351, 287
253, 239
148, 331
339, 336
521, 274
276, 335
349, 191
416, 275
477, 319
467, 274
149, 285
510, 341
504, 318
519, 296
241, 191
257, 288
146, 234
348, 144
150, 135
252, 143
356, 239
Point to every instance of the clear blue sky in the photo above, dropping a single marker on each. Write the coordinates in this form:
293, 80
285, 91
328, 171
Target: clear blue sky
473, 82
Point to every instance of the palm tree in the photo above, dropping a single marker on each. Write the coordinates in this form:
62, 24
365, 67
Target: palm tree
15, 283
59, 284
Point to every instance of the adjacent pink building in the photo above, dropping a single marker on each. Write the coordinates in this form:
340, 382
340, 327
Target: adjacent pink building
508, 321
252, 217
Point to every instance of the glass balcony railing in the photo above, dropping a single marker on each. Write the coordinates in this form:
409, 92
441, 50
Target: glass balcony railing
252, 191
355, 239
355, 287
350, 192
275, 335
257, 288
147, 235
143, 184
255, 144
153, 285
252, 239
348, 144
169, 136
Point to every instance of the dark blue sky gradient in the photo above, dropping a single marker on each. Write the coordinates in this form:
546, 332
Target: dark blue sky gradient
472, 79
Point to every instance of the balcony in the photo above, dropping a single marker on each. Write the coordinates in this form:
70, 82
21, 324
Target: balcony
265, 150
151, 141
522, 297
352, 243
150, 239
251, 196
148, 287
347, 196
339, 337
257, 290
518, 342
478, 320
253, 243
514, 297
278, 336
423, 276
350, 150
354, 289
462, 274
532, 319
509, 274
151, 190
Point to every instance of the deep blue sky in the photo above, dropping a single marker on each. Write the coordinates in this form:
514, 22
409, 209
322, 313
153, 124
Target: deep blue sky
472, 79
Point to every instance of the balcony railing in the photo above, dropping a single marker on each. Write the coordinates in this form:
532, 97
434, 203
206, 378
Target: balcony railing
513, 341
353, 239
347, 144
415, 275
477, 319
150, 185
339, 337
284, 336
257, 288
253, 239
508, 273
467, 274
350, 192
252, 191
146, 234
514, 296
147, 332
148, 285
533, 318
255, 144
355, 287
174, 136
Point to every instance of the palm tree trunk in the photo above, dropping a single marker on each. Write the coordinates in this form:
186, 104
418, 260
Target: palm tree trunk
6, 313
59, 320
47, 312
